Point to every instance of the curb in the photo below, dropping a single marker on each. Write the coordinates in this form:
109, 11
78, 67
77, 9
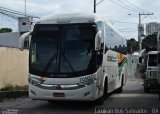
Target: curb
12, 94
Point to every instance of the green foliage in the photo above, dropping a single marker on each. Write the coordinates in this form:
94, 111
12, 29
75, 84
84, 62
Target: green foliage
4, 30
132, 46
149, 41
10, 87
120, 49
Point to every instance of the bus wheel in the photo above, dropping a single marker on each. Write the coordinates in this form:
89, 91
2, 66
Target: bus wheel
120, 90
146, 90
101, 100
159, 92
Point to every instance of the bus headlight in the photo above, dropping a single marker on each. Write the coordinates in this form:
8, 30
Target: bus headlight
87, 83
34, 82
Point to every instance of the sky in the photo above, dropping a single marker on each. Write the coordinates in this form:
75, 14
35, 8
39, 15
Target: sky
123, 14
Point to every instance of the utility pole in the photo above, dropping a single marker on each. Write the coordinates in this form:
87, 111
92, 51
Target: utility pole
25, 8
140, 28
94, 6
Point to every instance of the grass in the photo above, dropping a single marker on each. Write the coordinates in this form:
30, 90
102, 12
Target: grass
10, 87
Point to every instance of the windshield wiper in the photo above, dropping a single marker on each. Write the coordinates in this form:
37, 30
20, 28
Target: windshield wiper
51, 60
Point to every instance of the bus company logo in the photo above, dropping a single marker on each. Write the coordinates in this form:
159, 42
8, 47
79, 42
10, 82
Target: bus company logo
58, 75
58, 87
111, 58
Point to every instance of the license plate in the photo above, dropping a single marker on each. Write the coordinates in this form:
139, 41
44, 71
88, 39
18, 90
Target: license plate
58, 95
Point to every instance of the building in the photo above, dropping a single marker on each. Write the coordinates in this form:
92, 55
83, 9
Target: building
152, 27
11, 39
132, 64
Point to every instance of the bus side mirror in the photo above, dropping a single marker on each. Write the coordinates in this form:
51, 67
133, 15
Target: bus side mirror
98, 40
22, 39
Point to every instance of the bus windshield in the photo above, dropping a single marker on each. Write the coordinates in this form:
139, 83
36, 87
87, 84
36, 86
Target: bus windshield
62, 49
152, 60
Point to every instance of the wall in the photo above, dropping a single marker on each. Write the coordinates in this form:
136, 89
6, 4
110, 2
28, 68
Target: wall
132, 63
13, 66
9, 39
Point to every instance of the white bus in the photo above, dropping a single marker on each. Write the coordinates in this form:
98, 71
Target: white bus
76, 57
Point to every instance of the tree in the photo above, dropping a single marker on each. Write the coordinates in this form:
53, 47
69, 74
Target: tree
149, 41
4, 30
132, 46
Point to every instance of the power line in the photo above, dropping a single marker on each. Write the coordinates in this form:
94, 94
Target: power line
96, 4
126, 5
126, 30
123, 22
133, 5
121, 6
17, 14
99, 2
138, 8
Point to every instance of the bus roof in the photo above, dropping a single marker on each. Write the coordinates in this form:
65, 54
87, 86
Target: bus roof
69, 18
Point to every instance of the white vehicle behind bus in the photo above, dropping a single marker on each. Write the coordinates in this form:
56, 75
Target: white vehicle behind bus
78, 57
148, 68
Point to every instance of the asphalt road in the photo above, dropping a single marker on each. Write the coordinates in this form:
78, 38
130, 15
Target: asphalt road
132, 101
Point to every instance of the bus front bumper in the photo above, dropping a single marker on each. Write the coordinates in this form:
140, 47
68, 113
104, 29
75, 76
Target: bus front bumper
88, 93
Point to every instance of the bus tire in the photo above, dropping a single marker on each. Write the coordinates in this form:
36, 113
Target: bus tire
146, 90
159, 92
120, 89
101, 100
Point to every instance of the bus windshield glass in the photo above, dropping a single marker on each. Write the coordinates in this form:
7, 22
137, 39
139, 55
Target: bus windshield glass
152, 60
62, 49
